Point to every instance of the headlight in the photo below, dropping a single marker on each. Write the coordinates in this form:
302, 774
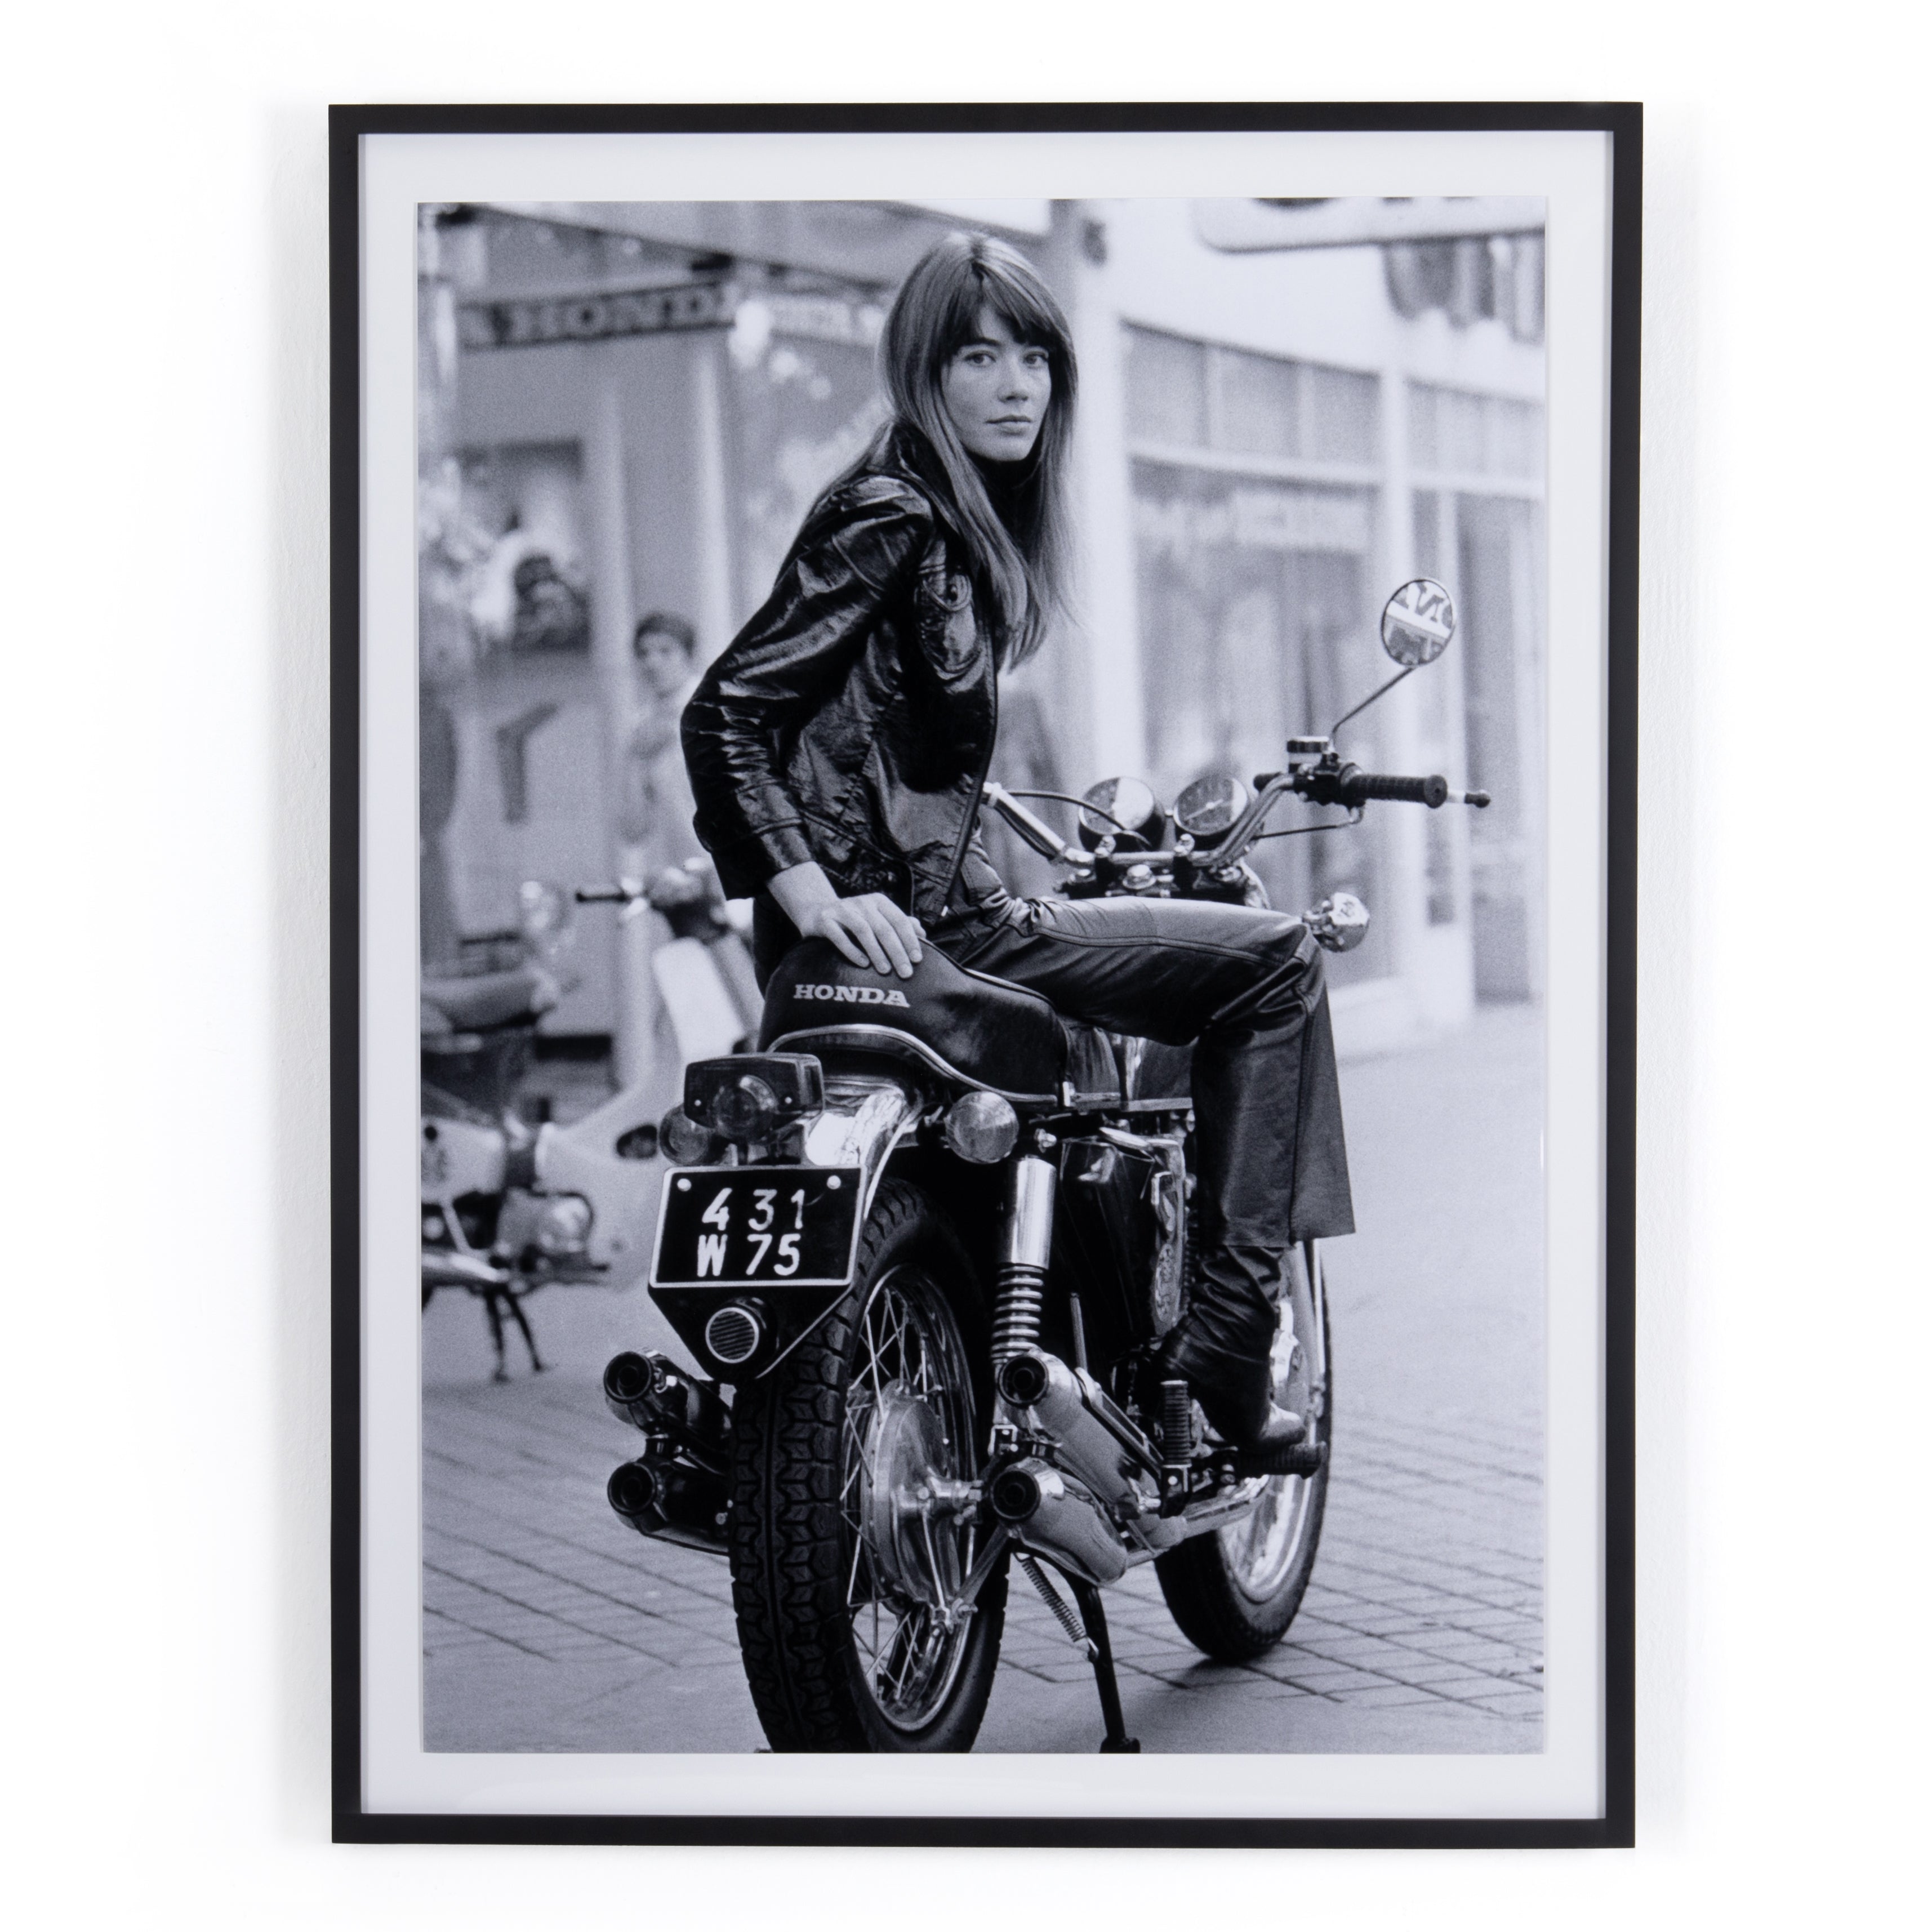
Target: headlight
980, 1126
563, 1225
745, 1110
683, 1138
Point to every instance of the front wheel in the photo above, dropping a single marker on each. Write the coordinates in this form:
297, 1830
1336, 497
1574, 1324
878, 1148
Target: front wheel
846, 1560
1234, 1592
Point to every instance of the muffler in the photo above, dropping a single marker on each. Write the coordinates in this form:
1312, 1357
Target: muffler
1094, 1438
671, 1501
651, 1393
1032, 1499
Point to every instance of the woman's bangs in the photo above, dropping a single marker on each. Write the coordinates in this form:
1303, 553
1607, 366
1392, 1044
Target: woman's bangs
959, 320
1020, 310
988, 285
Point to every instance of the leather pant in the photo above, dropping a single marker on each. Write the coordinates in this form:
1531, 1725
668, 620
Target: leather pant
1246, 988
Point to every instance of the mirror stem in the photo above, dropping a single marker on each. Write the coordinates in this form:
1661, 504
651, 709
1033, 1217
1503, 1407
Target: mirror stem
1381, 691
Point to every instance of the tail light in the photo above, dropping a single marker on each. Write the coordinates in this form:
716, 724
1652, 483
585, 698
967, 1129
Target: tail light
751, 1096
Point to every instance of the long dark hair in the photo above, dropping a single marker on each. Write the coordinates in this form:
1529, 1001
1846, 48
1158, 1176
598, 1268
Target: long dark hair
1016, 528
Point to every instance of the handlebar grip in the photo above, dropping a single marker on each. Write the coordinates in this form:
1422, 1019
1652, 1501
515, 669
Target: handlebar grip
1357, 787
602, 895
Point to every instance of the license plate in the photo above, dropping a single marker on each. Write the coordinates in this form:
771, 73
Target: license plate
741, 1227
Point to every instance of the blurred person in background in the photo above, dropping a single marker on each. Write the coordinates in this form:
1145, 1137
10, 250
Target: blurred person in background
837, 750
658, 803
551, 613
662, 849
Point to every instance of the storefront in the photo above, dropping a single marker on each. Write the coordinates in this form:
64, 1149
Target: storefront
629, 408
1297, 445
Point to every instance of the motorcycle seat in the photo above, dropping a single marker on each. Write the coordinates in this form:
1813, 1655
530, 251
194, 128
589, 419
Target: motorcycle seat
484, 1000
981, 1031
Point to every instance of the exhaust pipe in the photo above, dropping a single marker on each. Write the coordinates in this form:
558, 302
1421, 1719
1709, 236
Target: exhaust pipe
651, 1393
671, 1501
1034, 1501
1096, 1439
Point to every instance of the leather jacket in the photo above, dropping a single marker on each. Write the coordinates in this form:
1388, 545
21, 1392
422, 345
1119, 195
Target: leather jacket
852, 720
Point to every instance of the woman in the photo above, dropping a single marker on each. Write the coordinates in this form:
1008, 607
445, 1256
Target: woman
837, 750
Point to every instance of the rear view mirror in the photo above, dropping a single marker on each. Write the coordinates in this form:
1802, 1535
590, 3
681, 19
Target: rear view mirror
1418, 622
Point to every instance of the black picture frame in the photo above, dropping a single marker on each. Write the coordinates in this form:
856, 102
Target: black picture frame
353, 1822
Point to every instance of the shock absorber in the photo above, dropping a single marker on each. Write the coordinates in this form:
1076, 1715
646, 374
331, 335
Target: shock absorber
1020, 1293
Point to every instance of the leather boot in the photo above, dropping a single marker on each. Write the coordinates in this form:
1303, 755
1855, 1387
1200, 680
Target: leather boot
1237, 1396
1221, 1348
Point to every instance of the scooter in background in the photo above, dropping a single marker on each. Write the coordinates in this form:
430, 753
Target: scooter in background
509, 1205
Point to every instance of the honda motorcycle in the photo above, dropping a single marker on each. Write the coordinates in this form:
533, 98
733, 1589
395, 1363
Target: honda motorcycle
508, 1204
925, 1241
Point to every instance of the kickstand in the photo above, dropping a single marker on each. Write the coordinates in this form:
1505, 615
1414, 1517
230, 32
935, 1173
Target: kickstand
1095, 1618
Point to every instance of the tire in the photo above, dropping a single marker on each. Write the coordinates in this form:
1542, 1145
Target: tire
839, 1656
1234, 1592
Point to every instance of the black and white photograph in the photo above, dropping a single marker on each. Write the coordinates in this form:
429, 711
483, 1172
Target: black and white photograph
906, 907
982, 792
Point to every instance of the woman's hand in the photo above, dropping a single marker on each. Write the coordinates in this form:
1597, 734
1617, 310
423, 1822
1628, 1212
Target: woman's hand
867, 929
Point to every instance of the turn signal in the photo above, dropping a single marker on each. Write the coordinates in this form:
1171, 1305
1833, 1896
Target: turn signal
980, 1126
683, 1139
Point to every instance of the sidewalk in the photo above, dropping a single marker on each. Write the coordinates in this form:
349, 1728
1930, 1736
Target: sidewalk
549, 1626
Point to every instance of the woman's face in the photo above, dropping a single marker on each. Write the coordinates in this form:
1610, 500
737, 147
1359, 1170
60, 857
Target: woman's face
996, 390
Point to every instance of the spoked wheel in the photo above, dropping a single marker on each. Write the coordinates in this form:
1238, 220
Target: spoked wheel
1233, 1593
850, 1534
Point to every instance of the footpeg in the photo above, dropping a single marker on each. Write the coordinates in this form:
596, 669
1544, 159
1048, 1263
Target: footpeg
1177, 1446
1304, 1457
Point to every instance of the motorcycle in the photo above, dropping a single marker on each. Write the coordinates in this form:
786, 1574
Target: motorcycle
924, 1240
509, 1205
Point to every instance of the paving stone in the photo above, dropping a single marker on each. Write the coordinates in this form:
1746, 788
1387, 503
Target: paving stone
1428, 1591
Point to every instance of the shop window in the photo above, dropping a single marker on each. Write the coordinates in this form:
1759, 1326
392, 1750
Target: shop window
1255, 626
805, 410
1498, 601
1167, 389
1260, 404
1193, 395
1457, 432
1341, 414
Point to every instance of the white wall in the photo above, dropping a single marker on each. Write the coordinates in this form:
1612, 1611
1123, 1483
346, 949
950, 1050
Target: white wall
166, 1408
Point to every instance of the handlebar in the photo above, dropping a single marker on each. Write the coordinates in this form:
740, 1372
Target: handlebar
1325, 782
1360, 787
1349, 785
675, 887
1037, 833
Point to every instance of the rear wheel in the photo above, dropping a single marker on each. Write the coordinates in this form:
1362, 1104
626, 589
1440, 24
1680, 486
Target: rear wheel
846, 1556
1235, 1591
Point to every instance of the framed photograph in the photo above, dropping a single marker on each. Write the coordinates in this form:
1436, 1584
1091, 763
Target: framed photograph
984, 973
